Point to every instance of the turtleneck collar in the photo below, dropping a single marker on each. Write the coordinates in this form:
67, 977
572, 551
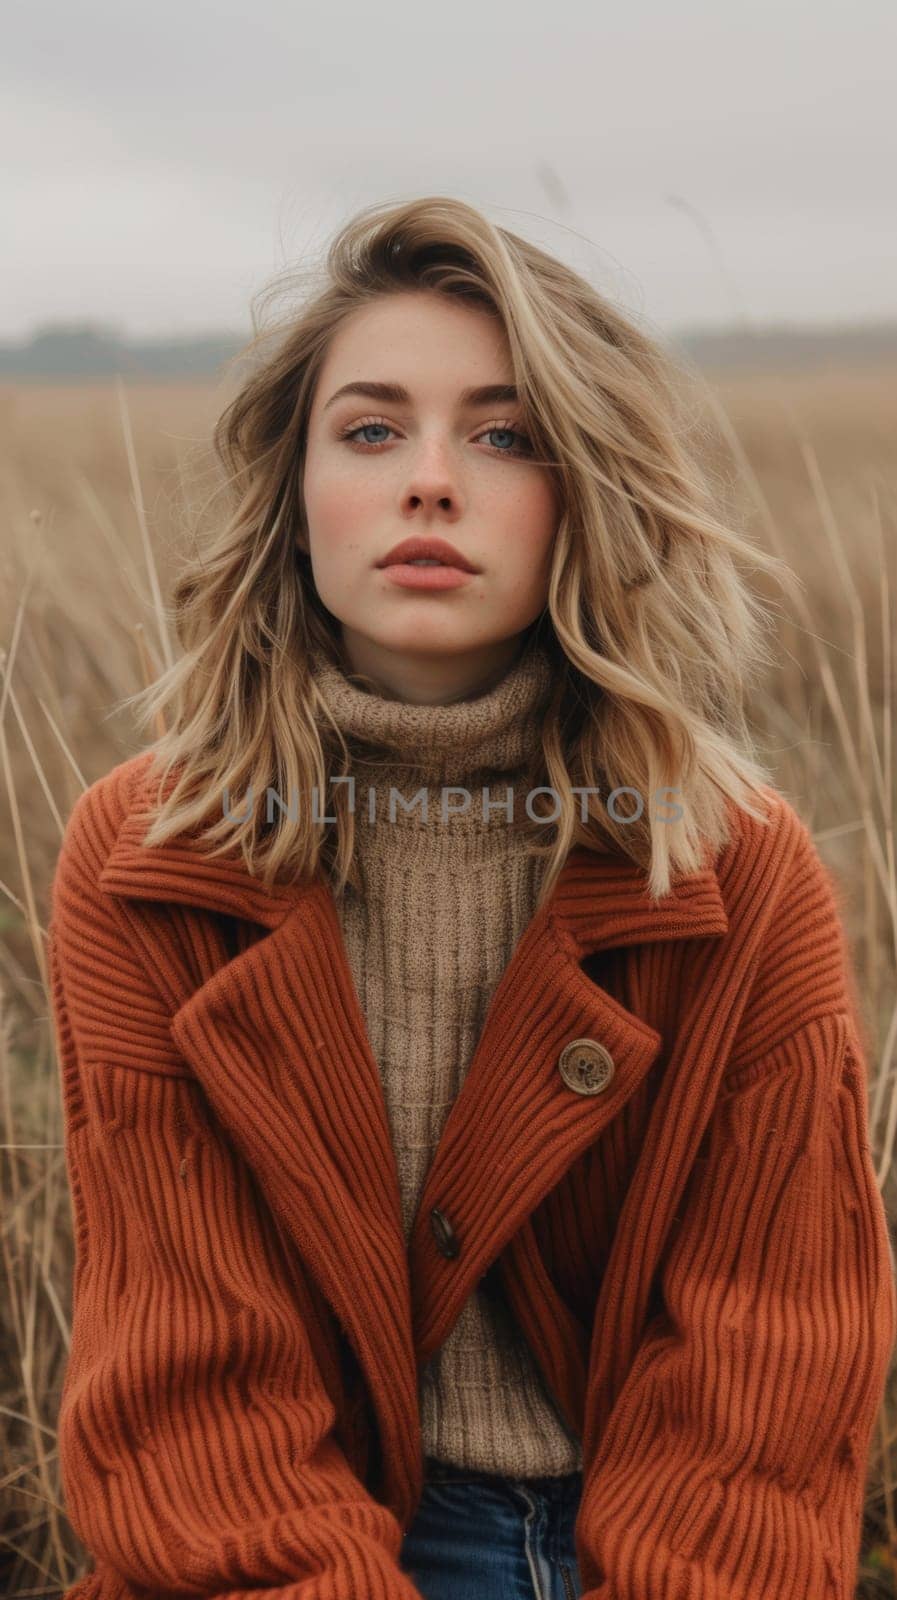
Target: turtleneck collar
498, 731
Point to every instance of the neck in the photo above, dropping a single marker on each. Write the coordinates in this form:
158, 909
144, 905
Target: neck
425, 679
498, 730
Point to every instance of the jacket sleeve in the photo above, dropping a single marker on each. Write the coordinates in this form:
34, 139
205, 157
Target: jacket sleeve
195, 1431
734, 1460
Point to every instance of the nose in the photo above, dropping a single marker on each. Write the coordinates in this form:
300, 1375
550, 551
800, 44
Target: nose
428, 501
433, 483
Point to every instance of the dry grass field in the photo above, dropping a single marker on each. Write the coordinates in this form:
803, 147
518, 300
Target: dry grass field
99, 488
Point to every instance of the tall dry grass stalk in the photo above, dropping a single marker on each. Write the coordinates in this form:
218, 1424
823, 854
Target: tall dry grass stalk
100, 488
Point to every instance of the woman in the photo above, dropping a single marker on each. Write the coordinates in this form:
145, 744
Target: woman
464, 1080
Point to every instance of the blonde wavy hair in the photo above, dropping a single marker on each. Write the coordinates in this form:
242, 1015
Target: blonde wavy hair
652, 631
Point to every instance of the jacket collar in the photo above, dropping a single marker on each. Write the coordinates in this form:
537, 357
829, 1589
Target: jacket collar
599, 898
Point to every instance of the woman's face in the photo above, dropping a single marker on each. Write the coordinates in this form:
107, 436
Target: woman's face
431, 462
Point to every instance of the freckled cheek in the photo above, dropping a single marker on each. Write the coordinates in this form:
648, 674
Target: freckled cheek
336, 507
518, 575
532, 541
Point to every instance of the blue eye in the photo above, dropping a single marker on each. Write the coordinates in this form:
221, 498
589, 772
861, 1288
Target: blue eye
509, 433
363, 429
349, 435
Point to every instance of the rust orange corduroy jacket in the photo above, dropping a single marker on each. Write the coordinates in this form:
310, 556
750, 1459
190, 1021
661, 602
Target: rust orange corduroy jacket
694, 1246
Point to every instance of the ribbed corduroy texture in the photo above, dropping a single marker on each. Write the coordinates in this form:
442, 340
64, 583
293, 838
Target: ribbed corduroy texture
446, 895
699, 1255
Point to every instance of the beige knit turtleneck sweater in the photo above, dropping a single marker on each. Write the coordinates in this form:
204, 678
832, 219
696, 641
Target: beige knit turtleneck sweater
428, 938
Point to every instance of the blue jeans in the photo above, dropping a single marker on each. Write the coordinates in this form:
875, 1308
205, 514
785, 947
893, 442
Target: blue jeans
480, 1536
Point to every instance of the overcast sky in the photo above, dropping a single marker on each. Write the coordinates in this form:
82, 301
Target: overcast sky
699, 161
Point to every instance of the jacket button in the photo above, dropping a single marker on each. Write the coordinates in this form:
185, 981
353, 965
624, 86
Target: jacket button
446, 1237
586, 1066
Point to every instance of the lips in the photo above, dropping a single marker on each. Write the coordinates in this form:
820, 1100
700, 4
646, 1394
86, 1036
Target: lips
420, 549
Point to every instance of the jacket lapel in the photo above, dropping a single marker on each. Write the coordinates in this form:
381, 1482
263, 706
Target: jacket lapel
516, 1125
277, 1038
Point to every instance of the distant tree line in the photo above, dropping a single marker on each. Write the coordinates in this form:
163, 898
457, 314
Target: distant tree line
78, 350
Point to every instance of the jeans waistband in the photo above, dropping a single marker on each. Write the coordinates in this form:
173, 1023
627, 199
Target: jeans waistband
554, 1487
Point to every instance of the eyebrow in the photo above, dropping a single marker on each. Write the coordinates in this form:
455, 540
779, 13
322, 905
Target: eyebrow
396, 394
